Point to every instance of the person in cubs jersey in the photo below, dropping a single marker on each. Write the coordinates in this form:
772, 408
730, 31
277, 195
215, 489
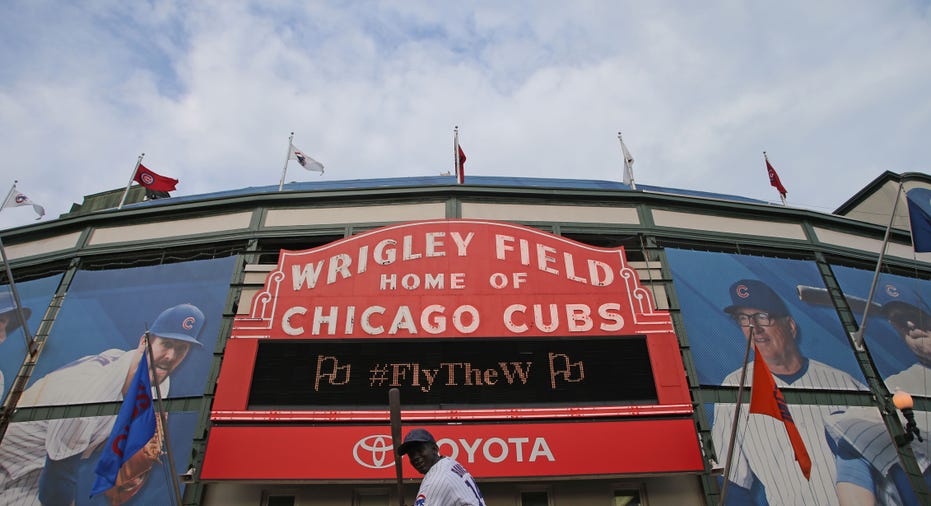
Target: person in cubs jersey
868, 467
763, 468
445, 481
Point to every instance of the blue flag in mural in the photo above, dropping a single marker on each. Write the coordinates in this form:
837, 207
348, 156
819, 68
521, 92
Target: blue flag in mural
134, 427
919, 216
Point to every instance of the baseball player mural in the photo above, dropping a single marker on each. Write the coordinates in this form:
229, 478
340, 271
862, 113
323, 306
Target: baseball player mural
445, 481
51, 461
727, 299
9, 322
34, 296
869, 470
40, 458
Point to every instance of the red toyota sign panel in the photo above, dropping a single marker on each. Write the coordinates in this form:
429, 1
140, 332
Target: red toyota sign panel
489, 451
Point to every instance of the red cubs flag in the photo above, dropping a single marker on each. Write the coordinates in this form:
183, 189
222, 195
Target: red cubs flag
460, 164
774, 180
766, 399
153, 181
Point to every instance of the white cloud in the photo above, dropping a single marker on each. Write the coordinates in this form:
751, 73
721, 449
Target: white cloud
211, 90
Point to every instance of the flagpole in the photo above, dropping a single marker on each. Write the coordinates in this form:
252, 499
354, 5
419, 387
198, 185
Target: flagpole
628, 164
164, 424
733, 436
19, 305
10, 193
9, 275
131, 178
858, 335
284, 170
456, 160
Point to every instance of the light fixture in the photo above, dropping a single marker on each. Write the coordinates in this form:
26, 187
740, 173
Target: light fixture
904, 402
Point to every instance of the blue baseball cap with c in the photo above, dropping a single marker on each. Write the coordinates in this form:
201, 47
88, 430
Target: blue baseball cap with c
754, 293
891, 294
183, 322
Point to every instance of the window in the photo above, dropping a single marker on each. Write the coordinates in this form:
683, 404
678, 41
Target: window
371, 497
534, 499
279, 500
627, 498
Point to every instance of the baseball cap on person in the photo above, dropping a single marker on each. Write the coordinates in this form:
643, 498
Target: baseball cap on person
756, 294
8, 306
183, 322
414, 438
892, 295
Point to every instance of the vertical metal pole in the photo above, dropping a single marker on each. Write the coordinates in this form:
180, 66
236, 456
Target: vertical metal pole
740, 390
19, 306
164, 424
287, 157
130, 183
456, 159
858, 335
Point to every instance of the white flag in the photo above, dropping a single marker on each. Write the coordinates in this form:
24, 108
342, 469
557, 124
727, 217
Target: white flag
17, 198
304, 160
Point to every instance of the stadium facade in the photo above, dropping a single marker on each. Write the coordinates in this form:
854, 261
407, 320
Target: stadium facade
570, 342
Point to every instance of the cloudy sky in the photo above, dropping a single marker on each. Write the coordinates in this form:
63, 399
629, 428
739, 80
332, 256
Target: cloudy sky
835, 91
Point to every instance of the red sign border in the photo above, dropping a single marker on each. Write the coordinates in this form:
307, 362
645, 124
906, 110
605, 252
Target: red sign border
235, 376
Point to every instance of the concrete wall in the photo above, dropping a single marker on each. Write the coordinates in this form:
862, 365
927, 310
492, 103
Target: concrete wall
679, 490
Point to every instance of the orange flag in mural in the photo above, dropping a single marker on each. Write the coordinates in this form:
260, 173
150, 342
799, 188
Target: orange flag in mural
766, 399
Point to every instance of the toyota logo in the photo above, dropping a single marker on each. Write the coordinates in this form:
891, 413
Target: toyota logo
375, 451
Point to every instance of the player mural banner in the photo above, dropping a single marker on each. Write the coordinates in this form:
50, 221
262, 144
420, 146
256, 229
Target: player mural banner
727, 299
900, 320
471, 320
94, 348
898, 337
106, 312
68, 479
711, 286
35, 296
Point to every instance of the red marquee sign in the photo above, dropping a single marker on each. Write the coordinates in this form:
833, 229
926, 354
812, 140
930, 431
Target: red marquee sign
452, 279
437, 286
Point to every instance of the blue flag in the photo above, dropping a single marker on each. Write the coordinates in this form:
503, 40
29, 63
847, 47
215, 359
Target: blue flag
134, 427
919, 216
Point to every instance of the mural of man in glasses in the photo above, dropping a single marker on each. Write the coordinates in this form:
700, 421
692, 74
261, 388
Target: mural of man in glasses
761, 461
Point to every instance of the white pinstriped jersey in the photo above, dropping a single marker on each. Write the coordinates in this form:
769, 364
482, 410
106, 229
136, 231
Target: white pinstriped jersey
447, 483
865, 432
763, 451
95, 378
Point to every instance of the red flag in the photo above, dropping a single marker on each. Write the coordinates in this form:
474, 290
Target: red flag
153, 181
460, 165
766, 399
774, 179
